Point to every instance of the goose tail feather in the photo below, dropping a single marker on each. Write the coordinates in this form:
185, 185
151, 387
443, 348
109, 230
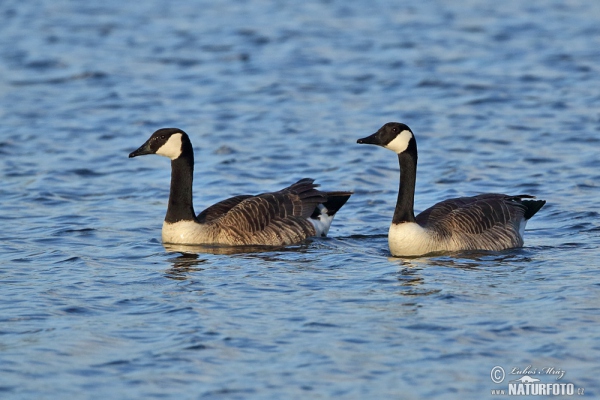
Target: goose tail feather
322, 216
532, 207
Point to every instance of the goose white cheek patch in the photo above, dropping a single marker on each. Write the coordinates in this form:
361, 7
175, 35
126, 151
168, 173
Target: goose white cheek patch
172, 148
400, 142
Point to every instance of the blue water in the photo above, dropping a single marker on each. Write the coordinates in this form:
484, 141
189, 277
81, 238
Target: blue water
502, 97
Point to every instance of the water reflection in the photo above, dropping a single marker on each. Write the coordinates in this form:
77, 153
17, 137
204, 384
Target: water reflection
183, 265
413, 284
465, 259
189, 259
412, 277
218, 249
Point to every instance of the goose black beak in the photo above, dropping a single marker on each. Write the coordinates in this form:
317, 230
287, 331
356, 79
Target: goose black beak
373, 139
143, 150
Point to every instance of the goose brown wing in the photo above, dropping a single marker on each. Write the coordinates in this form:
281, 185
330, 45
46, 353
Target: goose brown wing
484, 221
276, 218
217, 210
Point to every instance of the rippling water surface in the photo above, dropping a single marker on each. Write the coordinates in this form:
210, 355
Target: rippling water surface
501, 97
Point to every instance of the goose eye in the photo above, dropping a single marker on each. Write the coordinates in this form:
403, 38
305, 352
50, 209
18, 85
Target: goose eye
163, 137
395, 130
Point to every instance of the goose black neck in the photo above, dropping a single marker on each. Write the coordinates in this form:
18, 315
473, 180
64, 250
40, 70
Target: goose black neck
406, 193
181, 207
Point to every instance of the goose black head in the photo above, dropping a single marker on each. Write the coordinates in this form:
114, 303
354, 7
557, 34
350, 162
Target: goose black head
394, 136
168, 142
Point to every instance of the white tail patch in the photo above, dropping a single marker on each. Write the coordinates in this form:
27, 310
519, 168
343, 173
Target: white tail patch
172, 147
522, 225
400, 142
322, 222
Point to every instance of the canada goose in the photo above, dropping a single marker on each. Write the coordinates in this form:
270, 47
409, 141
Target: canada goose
273, 219
485, 222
